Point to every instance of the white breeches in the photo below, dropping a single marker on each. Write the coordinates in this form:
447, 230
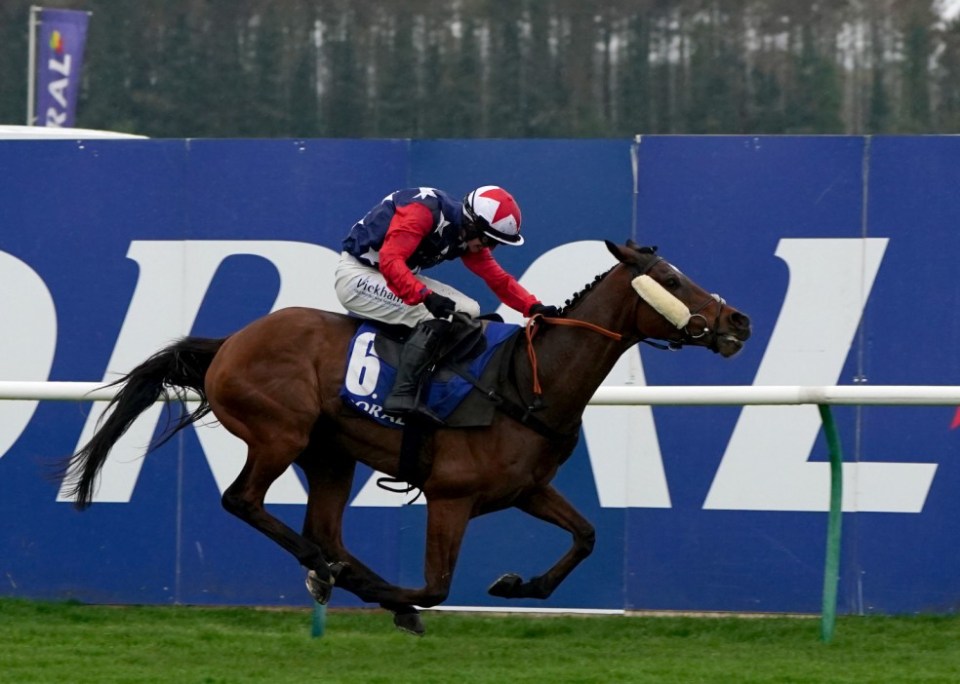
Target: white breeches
363, 291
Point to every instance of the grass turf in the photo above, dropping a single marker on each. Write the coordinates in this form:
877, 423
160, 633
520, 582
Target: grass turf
69, 642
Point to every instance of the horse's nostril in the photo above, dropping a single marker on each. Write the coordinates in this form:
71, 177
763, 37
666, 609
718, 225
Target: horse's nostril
740, 321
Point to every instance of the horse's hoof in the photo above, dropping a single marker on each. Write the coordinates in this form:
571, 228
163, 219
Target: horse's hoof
318, 588
409, 623
507, 586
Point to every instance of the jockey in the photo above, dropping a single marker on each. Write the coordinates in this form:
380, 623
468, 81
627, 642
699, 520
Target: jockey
415, 229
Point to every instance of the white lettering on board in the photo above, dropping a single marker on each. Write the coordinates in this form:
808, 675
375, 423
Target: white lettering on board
173, 282
26, 306
765, 465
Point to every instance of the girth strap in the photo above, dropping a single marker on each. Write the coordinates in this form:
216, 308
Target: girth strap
411, 472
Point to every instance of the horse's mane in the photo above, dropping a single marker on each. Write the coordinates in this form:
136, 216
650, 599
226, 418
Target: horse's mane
575, 299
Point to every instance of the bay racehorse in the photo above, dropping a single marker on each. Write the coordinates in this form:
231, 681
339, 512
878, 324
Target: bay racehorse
276, 384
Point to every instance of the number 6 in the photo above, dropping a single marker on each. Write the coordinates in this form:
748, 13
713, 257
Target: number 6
363, 368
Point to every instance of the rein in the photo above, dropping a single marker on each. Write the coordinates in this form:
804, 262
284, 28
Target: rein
531, 331
532, 327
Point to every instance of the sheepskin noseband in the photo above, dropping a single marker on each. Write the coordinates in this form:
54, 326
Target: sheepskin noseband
664, 303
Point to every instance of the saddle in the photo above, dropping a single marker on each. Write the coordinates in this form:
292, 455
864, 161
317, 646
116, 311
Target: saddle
477, 357
473, 349
475, 353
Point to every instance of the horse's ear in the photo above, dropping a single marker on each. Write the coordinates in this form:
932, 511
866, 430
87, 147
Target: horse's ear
632, 245
617, 251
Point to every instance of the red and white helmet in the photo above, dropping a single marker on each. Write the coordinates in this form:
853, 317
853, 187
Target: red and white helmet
494, 211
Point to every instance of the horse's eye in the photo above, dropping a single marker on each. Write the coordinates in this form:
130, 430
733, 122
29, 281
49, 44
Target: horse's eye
671, 283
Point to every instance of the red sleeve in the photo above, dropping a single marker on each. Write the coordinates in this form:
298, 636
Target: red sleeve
410, 224
504, 285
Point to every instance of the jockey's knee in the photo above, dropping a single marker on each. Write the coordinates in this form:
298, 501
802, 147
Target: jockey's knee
469, 307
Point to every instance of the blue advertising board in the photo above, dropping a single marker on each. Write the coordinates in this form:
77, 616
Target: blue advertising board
841, 249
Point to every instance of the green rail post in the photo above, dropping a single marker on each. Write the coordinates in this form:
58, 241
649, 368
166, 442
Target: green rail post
831, 572
319, 622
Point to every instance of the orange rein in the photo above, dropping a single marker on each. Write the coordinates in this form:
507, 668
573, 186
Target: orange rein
531, 331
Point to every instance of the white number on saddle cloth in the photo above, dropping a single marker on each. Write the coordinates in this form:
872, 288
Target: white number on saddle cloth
363, 368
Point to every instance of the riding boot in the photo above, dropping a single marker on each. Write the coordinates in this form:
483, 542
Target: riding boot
416, 356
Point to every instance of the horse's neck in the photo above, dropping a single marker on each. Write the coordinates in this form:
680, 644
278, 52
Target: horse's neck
573, 361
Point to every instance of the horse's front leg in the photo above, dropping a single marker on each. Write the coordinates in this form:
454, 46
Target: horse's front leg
446, 523
546, 503
330, 477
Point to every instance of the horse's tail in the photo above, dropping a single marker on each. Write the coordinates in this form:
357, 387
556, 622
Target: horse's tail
179, 367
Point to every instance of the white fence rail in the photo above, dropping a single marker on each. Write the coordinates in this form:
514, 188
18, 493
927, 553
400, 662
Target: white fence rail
822, 396
621, 395
704, 395
60, 391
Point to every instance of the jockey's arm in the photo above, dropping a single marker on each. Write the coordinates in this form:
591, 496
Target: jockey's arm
410, 224
504, 285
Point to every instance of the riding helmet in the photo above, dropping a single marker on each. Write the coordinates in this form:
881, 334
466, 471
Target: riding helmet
495, 213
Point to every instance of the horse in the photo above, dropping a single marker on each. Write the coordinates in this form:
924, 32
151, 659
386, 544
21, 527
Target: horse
275, 384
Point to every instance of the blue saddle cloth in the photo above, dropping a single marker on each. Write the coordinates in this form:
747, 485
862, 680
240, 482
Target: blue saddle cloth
370, 377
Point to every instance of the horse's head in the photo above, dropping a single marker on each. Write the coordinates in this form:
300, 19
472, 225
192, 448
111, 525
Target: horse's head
675, 309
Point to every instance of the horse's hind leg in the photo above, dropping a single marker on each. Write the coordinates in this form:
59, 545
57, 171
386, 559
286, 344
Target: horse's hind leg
330, 479
244, 498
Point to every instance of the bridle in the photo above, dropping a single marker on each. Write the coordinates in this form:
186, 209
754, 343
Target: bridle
687, 335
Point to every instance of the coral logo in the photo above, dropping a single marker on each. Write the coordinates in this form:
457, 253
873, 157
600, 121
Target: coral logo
56, 42
59, 67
